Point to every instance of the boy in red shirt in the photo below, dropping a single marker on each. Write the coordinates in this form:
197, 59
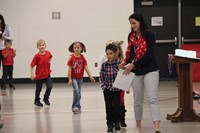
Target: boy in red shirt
8, 55
42, 73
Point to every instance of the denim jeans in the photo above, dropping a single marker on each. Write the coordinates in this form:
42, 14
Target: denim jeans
39, 84
76, 84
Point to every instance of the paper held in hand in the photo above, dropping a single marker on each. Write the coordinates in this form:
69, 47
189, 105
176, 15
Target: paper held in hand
123, 81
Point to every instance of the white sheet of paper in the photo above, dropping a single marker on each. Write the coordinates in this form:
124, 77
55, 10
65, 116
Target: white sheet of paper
123, 81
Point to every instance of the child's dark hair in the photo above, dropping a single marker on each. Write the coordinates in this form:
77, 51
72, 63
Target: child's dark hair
112, 47
9, 41
71, 47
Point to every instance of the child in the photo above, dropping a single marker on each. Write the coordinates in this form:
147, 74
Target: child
108, 74
42, 73
8, 55
120, 57
76, 66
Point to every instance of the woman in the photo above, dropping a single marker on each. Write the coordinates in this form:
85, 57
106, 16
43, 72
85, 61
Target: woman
5, 33
140, 59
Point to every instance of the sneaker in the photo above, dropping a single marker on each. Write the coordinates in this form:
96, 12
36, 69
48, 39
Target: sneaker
46, 102
123, 124
38, 104
117, 127
110, 129
76, 110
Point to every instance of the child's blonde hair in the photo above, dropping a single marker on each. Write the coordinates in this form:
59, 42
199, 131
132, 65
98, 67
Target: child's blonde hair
41, 41
119, 46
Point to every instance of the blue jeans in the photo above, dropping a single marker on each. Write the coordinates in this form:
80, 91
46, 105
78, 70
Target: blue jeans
39, 84
76, 84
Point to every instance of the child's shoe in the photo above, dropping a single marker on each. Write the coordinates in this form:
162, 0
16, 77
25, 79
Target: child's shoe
1, 124
157, 131
110, 128
117, 127
123, 124
12, 86
38, 103
76, 110
46, 101
3, 87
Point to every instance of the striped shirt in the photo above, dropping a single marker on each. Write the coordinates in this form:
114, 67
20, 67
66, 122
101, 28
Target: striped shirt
108, 73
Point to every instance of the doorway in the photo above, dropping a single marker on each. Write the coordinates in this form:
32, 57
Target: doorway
174, 22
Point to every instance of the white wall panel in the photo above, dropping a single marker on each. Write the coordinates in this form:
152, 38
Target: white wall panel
92, 22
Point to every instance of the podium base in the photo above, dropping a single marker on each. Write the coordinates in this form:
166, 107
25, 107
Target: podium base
178, 116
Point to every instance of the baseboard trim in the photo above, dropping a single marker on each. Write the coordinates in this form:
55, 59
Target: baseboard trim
54, 80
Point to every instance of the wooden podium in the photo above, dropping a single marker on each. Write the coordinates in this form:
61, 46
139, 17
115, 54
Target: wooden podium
185, 111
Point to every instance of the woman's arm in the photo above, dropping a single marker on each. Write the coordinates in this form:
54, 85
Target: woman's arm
8, 33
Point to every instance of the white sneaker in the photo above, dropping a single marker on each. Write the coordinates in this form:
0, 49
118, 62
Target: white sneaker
76, 110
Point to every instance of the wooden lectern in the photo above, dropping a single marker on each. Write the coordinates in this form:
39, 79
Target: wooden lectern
185, 111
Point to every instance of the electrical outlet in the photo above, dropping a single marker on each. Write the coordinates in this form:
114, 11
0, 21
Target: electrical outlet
95, 64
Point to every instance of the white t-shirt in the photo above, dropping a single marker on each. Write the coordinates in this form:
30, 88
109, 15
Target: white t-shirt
7, 34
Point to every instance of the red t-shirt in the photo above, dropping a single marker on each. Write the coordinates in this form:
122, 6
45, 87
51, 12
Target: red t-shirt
8, 61
42, 63
77, 64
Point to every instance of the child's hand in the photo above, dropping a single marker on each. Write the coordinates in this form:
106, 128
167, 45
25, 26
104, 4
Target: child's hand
6, 54
92, 80
70, 82
32, 77
14, 53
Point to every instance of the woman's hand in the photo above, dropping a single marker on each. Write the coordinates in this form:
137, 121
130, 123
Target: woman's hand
122, 65
128, 68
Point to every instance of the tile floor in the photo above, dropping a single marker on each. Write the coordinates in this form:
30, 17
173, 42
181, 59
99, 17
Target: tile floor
21, 116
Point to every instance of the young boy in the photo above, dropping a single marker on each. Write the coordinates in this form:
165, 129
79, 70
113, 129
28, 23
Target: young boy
108, 74
42, 73
8, 54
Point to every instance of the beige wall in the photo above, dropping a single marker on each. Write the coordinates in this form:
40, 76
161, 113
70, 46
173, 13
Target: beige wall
92, 22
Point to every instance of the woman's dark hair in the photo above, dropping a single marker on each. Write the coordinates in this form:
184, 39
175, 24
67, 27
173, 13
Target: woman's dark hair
111, 47
71, 47
3, 25
143, 26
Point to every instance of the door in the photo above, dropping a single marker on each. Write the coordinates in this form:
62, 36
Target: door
190, 21
162, 17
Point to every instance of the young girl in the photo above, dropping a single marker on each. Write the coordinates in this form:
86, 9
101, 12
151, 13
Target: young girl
76, 66
42, 73
120, 57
